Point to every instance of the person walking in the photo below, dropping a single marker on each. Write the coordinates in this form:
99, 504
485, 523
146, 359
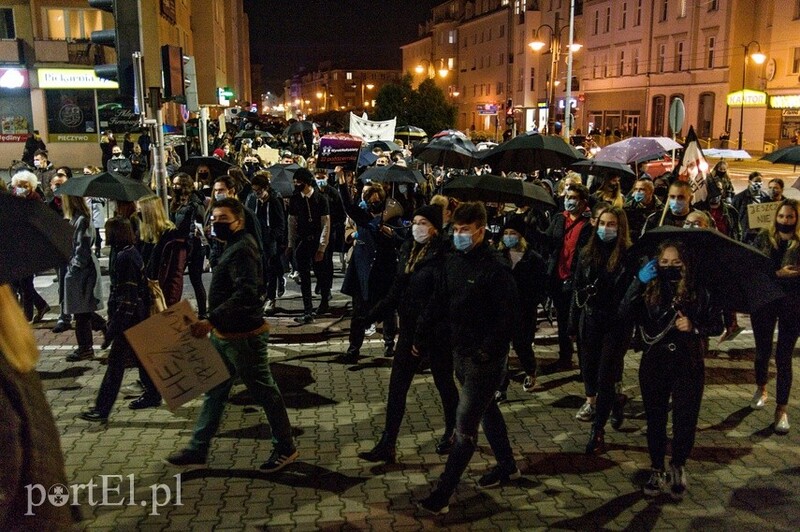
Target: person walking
188, 214
476, 297
267, 206
240, 334
749, 196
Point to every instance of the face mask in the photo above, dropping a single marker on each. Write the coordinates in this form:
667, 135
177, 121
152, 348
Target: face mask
755, 187
510, 241
670, 273
715, 201
321, 182
638, 196
421, 233
222, 230
363, 204
219, 197
607, 234
21, 191
376, 207
785, 228
117, 156
36, 163
299, 188
661, 192
614, 188
176, 191
402, 189
571, 205
775, 193
676, 206
462, 241
202, 175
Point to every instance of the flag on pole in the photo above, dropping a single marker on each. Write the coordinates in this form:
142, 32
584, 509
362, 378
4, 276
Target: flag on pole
370, 130
693, 167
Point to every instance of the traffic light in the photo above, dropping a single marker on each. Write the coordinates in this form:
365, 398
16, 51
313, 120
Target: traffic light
124, 38
509, 107
172, 67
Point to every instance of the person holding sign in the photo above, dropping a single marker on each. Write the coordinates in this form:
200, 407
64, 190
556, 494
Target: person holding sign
751, 195
240, 334
781, 242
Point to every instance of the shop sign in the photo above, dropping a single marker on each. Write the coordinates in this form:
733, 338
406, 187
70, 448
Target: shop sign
785, 101
541, 105
486, 108
13, 137
72, 137
72, 78
751, 98
14, 78
790, 112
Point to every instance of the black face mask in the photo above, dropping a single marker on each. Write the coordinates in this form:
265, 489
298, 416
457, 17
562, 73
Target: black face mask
176, 191
670, 273
222, 230
375, 207
785, 228
299, 187
203, 176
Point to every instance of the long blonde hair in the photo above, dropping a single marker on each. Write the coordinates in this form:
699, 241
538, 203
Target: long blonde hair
154, 219
17, 343
73, 205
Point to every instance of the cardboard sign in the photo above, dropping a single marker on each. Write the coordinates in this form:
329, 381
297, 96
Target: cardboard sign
181, 366
339, 150
269, 156
761, 215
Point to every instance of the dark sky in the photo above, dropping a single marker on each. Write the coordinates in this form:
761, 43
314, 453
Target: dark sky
288, 34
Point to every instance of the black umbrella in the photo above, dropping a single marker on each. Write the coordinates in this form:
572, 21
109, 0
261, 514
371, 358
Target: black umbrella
603, 168
218, 167
33, 238
392, 174
787, 155
299, 127
384, 145
737, 275
281, 180
530, 151
500, 189
104, 185
251, 134
451, 151
410, 132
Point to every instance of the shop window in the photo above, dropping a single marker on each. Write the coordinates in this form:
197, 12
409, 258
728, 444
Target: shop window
7, 23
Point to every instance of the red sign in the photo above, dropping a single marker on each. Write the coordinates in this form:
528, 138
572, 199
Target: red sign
14, 78
14, 137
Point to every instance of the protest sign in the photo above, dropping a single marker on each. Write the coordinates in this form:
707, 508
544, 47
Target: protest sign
269, 156
339, 150
761, 215
182, 367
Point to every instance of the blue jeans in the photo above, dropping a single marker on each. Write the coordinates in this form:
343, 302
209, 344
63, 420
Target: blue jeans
246, 357
479, 380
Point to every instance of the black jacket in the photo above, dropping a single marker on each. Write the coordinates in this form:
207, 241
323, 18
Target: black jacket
530, 276
234, 301
598, 292
129, 300
272, 221
555, 239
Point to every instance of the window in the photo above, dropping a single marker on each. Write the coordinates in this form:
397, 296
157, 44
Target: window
451, 63
502, 30
608, 19
474, 63
474, 90
713, 5
452, 37
349, 76
482, 35
662, 16
72, 24
596, 26
637, 19
520, 79
659, 111
635, 61
7, 24
712, 41
533, 79
594, 67
499, 87
335, 76
621, 62
662, 54
501, 58
796, 60
624, 15
481, 62
605, 66
474, 38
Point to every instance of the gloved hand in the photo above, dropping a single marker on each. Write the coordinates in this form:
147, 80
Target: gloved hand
649, 271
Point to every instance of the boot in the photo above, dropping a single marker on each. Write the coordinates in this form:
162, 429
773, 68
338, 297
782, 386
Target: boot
618, 411
382, 452
597, 441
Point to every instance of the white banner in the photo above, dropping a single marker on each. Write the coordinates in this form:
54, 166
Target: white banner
370, 130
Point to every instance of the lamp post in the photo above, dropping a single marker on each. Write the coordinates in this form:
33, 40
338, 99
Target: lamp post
538, 45
430, 70
759, 59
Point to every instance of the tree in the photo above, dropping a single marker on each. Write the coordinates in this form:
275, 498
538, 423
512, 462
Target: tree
425, 107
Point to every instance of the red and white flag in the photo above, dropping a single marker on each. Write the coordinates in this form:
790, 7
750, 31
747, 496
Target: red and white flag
693, 167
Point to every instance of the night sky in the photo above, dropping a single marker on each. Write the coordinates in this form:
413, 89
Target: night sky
286, 35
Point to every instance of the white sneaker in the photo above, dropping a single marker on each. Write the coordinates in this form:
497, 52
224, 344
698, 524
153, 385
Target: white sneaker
528, 383
369, 331
270, 306
656, 484
586, 412
782, 424
759, 399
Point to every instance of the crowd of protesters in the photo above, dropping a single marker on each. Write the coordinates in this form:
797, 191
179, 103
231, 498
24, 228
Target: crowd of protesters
454, 285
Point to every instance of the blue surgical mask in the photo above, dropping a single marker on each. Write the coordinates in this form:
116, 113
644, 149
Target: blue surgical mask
638, 196
606, 234
676, 206
510, 241
321, 182
462, 241
220, 197
570, 205
363, 204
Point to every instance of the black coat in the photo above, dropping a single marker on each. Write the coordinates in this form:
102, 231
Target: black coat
530, 276
272, 221
598, 292
129, 301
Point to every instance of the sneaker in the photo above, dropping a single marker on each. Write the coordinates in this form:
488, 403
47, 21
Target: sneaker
40, 312
434, 504
278, 460
133, 390
677, 482
369, 331
586, 412
62, 326
81, 354
295, 276
731, 333
656, 484
500, 397
618, 411
305, 319
186, 457
759, 399
143, 402
269, 307
781, 423
497, 476
323, 308
528, 383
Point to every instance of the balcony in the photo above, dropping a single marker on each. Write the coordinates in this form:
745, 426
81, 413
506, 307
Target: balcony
51, 51
11, 51
72, 52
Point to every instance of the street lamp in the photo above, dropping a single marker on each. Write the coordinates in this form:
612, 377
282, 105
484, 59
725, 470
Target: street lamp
759, 59
537, 45
443, 70
369, 86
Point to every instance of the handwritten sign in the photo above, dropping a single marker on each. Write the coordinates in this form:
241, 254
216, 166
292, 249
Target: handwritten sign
182, 367
761, 215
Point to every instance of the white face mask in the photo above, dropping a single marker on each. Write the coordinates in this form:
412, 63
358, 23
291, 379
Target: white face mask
36, 163
21, 191
421, 233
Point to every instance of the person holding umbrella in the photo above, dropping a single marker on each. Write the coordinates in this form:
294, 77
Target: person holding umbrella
781, 242
679, 205
675, 316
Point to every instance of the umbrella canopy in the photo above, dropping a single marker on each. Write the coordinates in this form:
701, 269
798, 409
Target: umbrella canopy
385, 145
737, 275
299, 127
218, 167
500, 189
531, 151
787, 155
392, 174
603, 168
453, 151
252, 133
410, 132
33, 238
281, 180
718, 153
636, 149
104, 185
366, 158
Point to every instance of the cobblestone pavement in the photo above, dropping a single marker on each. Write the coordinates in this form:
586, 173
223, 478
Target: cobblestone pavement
741, 475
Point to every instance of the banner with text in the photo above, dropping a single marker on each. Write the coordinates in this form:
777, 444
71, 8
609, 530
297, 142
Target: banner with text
339, 150
761, 215
371, 130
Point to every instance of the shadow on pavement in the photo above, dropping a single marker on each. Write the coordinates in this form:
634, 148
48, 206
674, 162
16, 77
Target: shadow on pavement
292, 381
566, 463
602, 515
65, 379
732, 421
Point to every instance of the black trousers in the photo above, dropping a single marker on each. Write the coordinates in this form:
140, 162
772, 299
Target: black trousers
304, 261
323, 270
194, 263
63, 316
522, 342
30, 297
118, 356
784, 314
358, 323
561, 301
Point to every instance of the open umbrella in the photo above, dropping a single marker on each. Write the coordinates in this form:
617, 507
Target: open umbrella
603, 168
408, 133
737, 275
787, 155
299, 127
252, 133
218, 167
104, 185
392, 174
281, 180
385, 145
636, 149
530, 151
452, 151
33, 238
366, 158
488, 187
